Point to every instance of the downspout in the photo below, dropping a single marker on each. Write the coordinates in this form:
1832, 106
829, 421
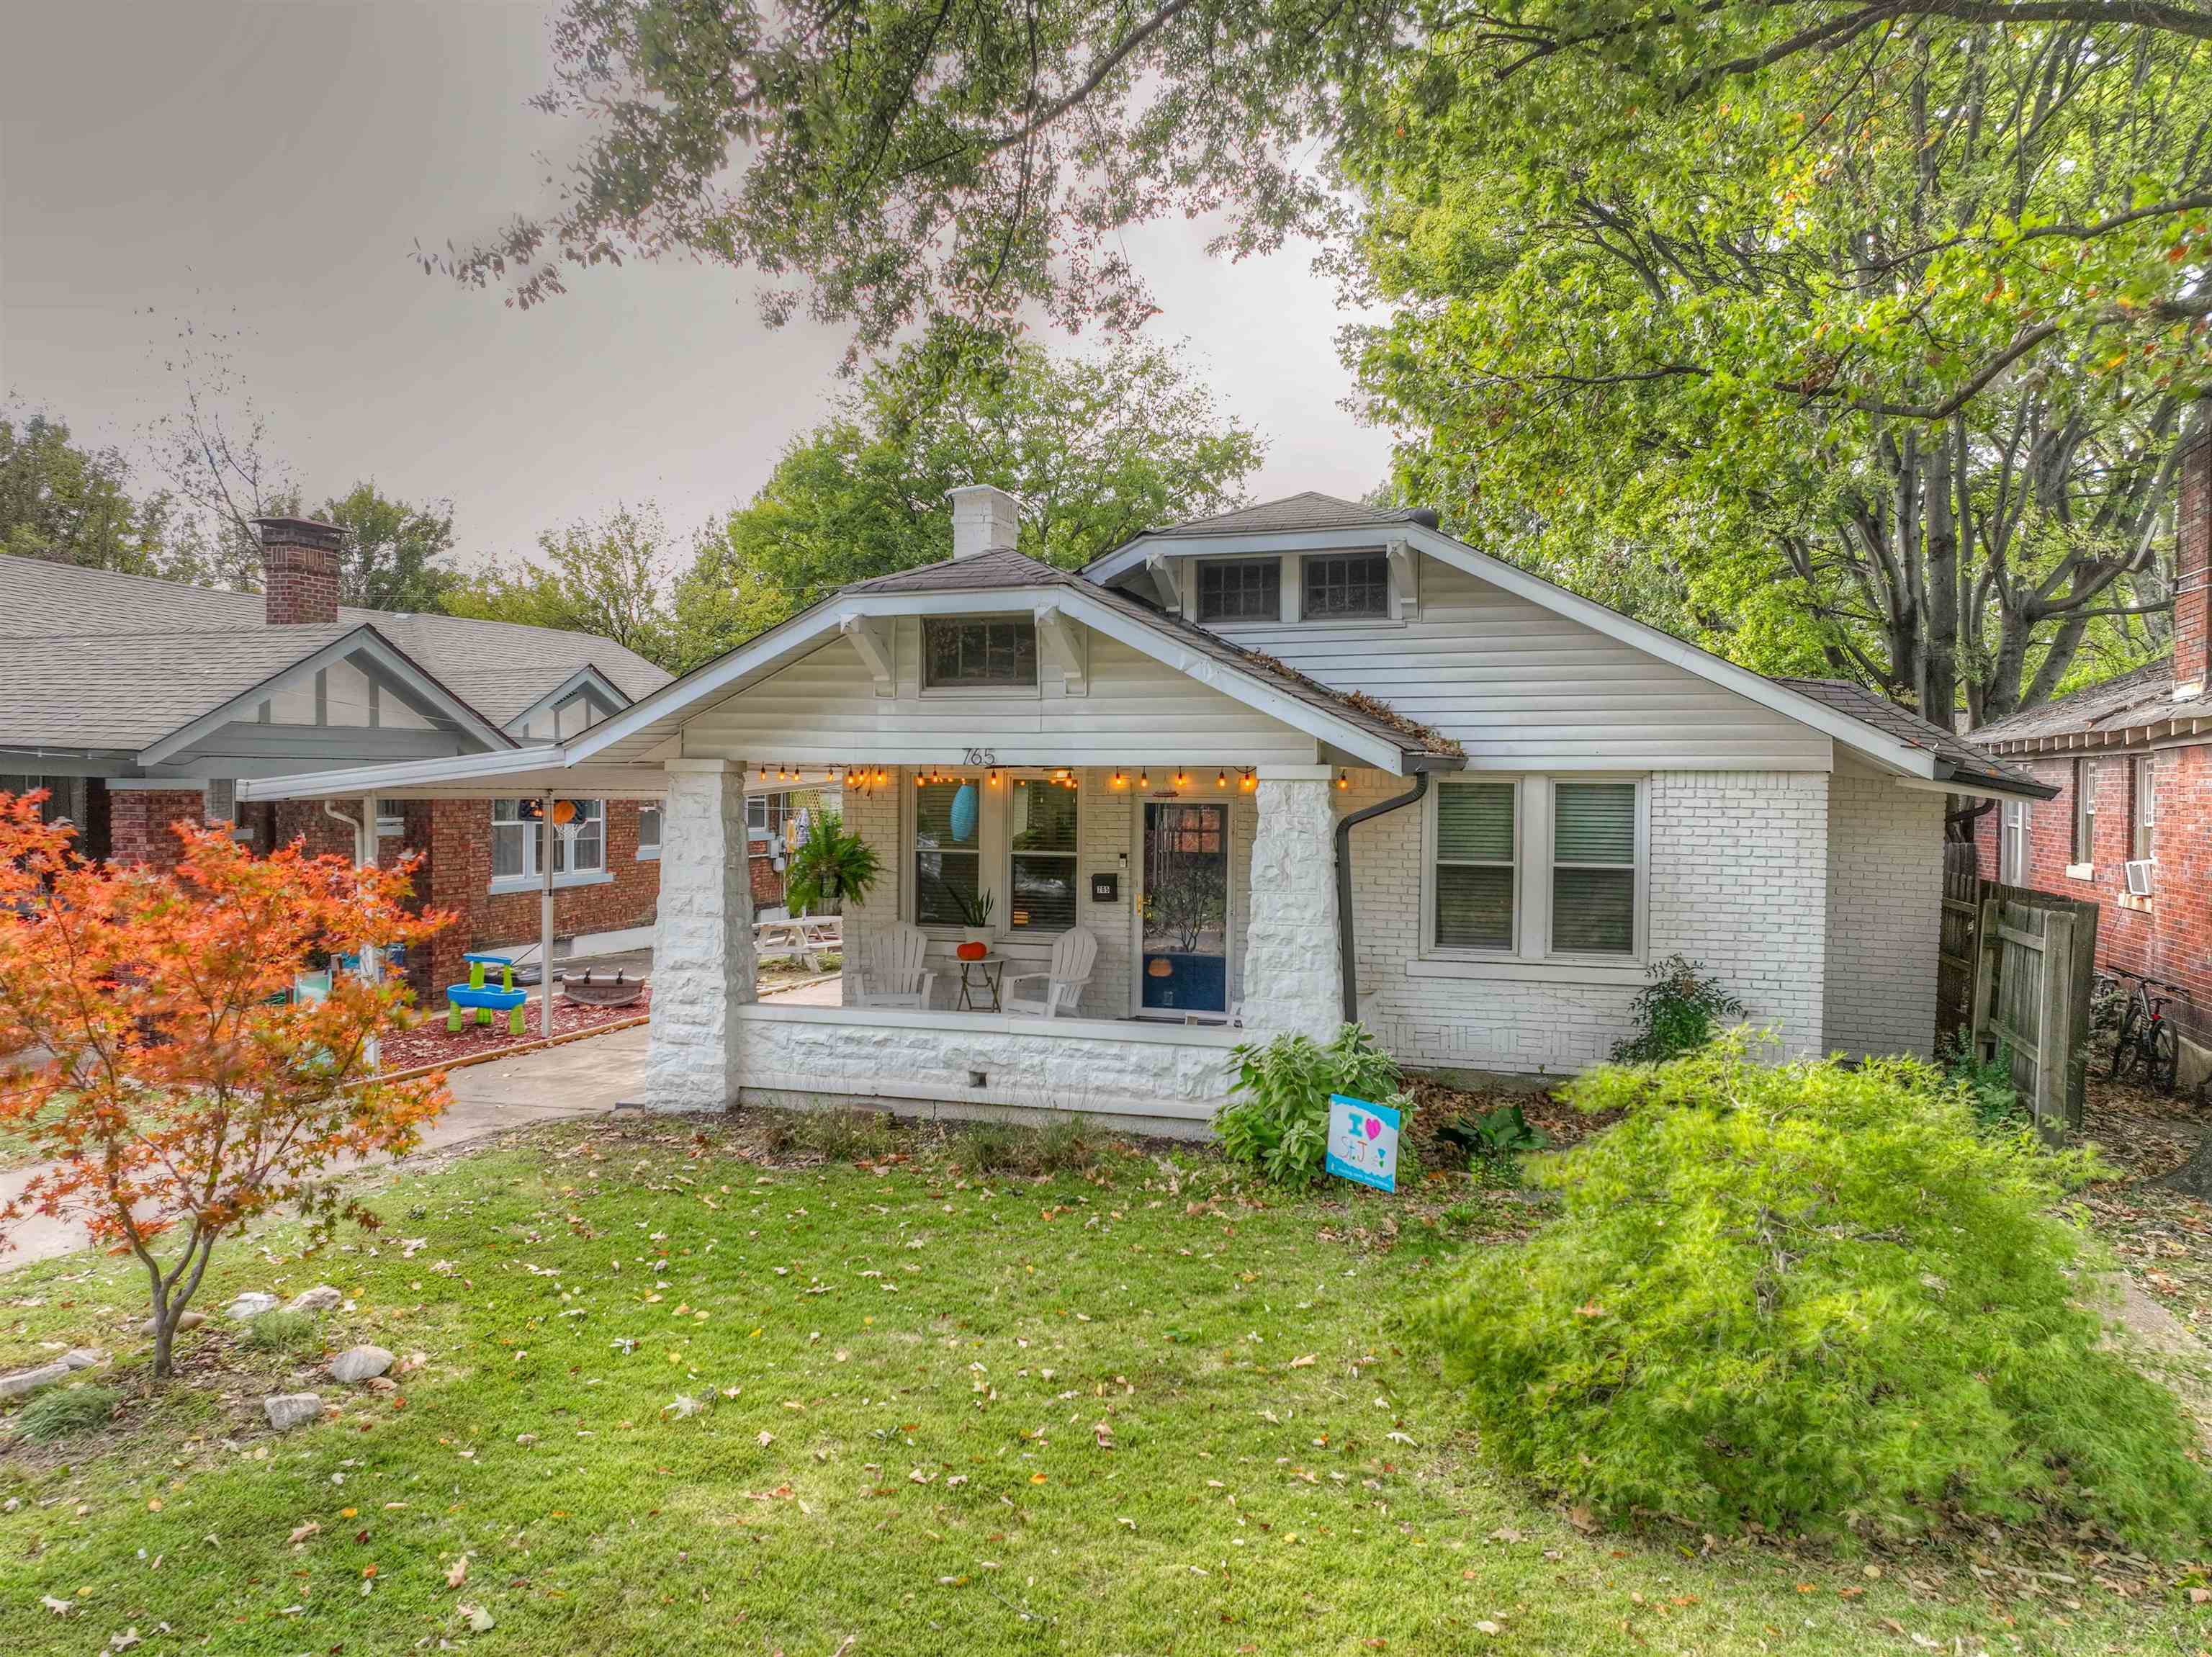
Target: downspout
1346, 956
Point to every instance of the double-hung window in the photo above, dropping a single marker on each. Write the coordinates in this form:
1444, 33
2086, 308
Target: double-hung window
1594, 872
1478, 881
515, 840
948, 852
1345, 585
1535, 869
2085, 811
1041, 855
1240, 590
648, 832
2145, 838
2012, 843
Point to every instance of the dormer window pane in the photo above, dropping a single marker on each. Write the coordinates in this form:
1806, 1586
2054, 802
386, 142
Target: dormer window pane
1240, 590
959, 655
1347, 584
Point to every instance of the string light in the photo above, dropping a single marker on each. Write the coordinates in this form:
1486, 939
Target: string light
879, 776
1121, 779
1250, 782
994, 779
1182, 779
1144, 779
1221, 779
1342, 781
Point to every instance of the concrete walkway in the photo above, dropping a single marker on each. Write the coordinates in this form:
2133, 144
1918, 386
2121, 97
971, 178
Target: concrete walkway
582, 1078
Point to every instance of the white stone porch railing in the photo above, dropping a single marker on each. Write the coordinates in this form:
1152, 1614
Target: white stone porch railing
1165, 1079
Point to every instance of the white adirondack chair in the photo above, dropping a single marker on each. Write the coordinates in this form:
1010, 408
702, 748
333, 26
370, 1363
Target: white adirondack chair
1070, 970
894, 975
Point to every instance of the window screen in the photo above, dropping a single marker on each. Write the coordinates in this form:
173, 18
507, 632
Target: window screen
1240, 590
1474, 875
1347, 584
1594, 868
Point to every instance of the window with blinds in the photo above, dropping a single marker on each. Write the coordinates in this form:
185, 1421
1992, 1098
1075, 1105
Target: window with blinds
1594, 868
948, 864
1041, 843
1477, 881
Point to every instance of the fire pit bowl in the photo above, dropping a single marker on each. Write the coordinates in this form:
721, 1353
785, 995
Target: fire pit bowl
619, 991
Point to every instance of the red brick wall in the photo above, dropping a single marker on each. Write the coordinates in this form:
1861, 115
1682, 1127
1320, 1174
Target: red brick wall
138, 822
767, 883
2192, 554
2170, 939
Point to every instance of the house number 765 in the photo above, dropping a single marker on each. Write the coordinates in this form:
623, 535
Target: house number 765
981, 757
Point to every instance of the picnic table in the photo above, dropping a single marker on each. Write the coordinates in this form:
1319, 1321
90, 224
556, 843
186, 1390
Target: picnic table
807, 938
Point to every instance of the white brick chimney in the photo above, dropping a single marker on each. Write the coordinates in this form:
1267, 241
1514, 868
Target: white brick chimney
985, 519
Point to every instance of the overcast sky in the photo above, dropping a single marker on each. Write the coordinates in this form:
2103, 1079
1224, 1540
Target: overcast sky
263, 168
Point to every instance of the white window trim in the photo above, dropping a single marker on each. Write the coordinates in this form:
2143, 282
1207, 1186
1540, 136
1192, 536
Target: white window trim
2013, 823
995, 853
1532, 897
929, 692
531, 880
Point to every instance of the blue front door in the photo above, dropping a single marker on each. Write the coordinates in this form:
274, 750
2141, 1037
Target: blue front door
1185, 958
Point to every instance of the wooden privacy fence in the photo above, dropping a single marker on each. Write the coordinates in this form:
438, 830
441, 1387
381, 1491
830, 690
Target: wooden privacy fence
2034, 956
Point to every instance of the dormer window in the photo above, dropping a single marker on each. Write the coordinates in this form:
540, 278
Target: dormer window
1240, 590
1341, 585
958, 655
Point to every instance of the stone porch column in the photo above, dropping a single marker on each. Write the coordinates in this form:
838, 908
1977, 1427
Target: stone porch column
702, 962
1293, 981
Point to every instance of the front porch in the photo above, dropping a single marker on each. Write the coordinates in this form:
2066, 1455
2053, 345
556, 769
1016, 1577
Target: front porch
1050, 848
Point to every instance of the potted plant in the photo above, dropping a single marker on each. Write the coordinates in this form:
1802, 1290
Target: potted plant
977, 932
830, 869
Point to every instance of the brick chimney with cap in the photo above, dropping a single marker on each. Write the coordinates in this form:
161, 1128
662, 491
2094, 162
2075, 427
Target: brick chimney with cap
985, 519
2192, 564
298, 570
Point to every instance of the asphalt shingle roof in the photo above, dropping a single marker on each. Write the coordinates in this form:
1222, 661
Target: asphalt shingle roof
1310, 510
1969, 759
2142, 697
125, 659
985, 572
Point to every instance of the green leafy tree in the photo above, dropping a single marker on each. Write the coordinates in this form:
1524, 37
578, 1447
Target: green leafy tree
1096, 449
1812, 1296
394, 553
609, 577
1869, 359
71, 504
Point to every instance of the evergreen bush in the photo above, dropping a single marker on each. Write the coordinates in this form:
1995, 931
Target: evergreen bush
1814, 1297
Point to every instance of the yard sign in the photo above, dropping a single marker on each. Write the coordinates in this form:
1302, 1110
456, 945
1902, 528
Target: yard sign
1363, 1141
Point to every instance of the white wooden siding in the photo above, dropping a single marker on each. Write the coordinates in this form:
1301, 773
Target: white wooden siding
823, 710
1522, 688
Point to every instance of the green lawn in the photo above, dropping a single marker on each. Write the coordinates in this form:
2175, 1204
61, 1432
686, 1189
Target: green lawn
1091, 1415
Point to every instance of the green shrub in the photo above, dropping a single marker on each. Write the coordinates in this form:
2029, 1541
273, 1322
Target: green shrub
66, 1411
1678, 1012
284, 1331
1276, 1120
1985, 1084
1498, 1137
1812, 1297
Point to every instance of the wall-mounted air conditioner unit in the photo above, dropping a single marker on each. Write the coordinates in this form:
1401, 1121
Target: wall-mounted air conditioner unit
2139, 871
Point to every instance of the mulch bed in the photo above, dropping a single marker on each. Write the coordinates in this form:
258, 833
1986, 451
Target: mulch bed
429, 1043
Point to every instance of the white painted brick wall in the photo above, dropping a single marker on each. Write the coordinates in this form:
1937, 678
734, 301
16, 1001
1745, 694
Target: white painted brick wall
1738, 880
1885, 915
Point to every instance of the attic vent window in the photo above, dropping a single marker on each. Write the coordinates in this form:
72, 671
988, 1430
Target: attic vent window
968, 655
1240, 590
1350, 584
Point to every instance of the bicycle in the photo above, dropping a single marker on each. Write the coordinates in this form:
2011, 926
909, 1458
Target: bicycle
2147, 1039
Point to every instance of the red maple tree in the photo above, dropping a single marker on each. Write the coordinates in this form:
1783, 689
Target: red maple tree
157, 1059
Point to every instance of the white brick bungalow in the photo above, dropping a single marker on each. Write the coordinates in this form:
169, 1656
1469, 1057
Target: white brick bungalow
1544, 798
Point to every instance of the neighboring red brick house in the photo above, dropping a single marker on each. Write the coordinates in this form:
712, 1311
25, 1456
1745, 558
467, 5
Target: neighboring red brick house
2132, 759
153, 699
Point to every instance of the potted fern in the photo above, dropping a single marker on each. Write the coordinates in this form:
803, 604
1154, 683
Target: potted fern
830, 869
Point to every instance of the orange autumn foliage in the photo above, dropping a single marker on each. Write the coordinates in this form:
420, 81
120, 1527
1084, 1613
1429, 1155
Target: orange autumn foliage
156, 1059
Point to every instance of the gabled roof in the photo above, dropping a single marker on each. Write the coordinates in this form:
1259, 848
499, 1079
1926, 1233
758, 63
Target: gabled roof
121, 653
1968, 763
2099, 713
987, 572
1310, 510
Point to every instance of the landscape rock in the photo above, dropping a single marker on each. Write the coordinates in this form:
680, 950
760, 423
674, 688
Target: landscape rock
30, 1380
286, 1410
252, 1304
184, 1320
321, 1298
360, 1363
84, 1357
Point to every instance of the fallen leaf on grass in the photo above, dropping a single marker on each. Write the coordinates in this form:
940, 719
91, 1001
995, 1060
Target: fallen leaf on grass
301, 1533
59, 1607
458, 1574
479, 1619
